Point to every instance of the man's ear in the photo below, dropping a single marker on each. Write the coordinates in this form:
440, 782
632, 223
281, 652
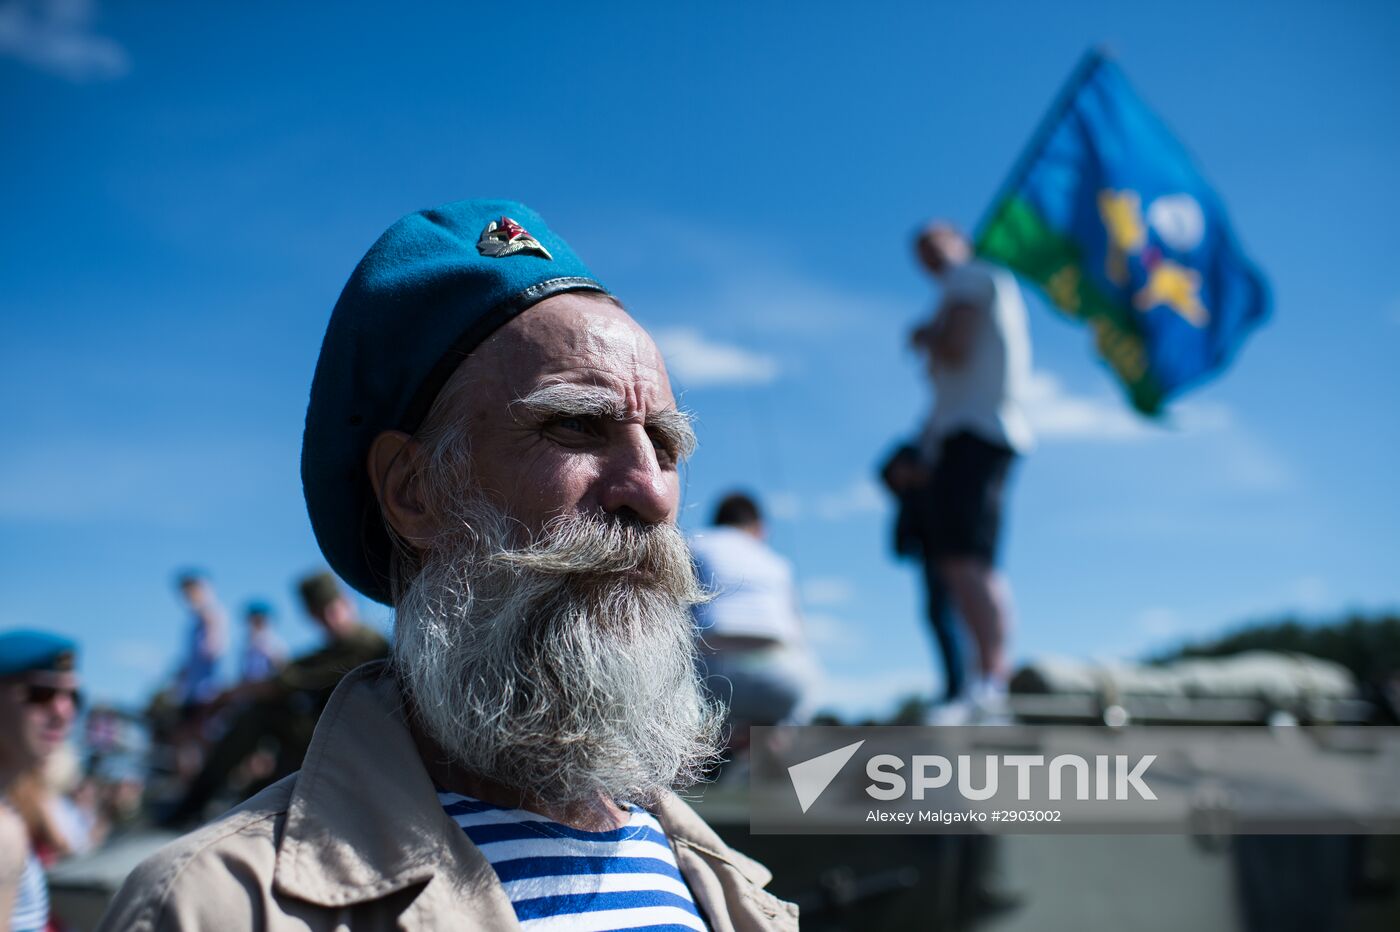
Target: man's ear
394, 461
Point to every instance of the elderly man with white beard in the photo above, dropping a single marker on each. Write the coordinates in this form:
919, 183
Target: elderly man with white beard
492, 446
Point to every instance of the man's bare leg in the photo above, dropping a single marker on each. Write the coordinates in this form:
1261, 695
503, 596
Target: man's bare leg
984, 600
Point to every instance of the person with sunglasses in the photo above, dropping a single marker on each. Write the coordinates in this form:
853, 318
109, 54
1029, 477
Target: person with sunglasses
38, 701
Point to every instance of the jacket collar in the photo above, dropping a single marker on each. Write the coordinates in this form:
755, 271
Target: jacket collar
684, 827
364, 819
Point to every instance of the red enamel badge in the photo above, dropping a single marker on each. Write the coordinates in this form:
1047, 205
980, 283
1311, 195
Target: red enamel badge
505, 237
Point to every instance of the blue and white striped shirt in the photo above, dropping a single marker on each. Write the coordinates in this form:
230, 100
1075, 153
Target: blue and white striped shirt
562, 878
31, 909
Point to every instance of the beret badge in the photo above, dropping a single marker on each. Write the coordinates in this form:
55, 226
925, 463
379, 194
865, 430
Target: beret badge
505, 237
419, 301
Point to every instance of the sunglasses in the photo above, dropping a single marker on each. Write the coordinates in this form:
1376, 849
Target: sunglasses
39, 694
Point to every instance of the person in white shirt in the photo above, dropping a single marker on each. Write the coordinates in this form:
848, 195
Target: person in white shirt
977, 347
751, 639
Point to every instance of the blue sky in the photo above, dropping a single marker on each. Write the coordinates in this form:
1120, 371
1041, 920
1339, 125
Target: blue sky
186, 189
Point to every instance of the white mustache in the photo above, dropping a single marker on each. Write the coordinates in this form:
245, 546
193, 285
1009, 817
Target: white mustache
596, 546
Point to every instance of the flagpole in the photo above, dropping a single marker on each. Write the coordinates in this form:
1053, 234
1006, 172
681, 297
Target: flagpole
1088, 64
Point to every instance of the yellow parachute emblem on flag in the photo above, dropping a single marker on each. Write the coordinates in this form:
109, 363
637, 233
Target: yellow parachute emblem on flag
1168, 283
1122, 218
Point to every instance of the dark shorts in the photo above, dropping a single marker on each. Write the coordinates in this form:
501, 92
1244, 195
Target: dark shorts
962, 507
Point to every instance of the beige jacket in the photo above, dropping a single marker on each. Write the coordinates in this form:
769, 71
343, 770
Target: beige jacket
357, 840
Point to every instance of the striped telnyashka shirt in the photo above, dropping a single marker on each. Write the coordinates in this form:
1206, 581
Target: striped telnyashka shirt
562, 878
31, 910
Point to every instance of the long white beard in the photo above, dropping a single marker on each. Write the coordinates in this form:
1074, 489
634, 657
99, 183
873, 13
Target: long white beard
564, 669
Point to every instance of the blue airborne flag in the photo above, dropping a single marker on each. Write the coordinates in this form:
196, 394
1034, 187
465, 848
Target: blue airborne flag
1107, 213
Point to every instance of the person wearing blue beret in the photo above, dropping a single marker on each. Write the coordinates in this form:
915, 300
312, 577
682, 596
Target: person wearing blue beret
264, 653
492, 447
38, 702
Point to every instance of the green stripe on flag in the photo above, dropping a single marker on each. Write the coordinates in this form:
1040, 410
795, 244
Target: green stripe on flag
1019, 239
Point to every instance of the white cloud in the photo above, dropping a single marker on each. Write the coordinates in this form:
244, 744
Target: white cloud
1158, 623
1135, 643
861, 497
830, 632
56, 36
1246, 463
1240, 459
1198, 418
1056, 413
778, 300
827, 590
783, 506
139, 657
872, 694
754, 283
1309, 594
177, 480
696, 361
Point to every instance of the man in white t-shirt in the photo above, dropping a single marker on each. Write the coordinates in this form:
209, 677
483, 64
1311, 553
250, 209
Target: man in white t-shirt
977, 347
751, 639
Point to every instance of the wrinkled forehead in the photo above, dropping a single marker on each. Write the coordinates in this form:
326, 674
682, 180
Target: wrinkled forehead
573, 338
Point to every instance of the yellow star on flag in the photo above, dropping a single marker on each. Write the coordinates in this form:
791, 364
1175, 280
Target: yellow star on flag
1177, 287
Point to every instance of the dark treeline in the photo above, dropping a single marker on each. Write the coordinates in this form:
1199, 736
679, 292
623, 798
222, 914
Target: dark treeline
1367, 646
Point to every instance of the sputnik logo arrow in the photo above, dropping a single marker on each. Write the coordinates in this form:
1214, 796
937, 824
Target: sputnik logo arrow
811, 777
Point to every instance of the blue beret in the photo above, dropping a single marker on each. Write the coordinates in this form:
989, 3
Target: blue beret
428, 292
23, 651
258, 607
